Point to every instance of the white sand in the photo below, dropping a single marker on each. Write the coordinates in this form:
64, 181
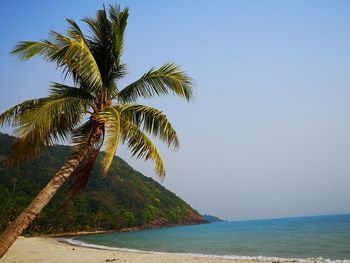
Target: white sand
48, 250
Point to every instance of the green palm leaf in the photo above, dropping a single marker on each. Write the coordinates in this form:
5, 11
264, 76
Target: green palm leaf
167, 79
49, 116
151, 120
11, 115
77, 58
28, 49
58, 90
111, 118
49, 122
107, 43
141, 145
119, 19
70, 52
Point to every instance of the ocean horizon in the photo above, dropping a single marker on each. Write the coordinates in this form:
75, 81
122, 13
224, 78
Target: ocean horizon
322, 238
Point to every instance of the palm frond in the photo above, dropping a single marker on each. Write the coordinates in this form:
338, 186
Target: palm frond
119, 20
99, 26
107, 43
111, 118
28, 49
169, 78
58, 90
10, 116
42, 119
46, 124
151, 120
77, 59
141, 145
82, 134
70, 52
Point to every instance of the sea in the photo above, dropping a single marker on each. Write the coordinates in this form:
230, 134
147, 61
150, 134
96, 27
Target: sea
320, 238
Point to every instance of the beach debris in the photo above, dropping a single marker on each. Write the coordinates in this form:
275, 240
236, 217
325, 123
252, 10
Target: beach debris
111, 260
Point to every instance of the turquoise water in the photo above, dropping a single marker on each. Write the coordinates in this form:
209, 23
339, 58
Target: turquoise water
299, 238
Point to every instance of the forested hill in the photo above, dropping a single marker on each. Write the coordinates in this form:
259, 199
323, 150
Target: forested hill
124, 198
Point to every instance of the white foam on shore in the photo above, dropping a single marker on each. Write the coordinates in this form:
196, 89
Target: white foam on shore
236, 257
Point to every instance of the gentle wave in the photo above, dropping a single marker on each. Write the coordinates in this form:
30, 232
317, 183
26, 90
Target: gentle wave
236, 257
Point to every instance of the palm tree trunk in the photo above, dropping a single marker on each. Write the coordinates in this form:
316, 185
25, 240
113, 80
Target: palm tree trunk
15, 229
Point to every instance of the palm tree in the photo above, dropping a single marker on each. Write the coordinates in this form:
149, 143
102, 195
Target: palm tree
91, 113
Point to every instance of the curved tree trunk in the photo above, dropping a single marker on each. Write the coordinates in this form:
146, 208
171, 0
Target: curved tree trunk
15, 229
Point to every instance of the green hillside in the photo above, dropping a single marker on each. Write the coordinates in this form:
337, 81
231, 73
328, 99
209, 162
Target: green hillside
125, 198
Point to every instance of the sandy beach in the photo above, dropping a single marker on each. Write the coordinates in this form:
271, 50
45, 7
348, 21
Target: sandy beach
49, 250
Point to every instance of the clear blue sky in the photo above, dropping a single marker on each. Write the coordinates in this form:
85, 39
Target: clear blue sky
268, 134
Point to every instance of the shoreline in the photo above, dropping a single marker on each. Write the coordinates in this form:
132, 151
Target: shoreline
127, 229
235, 258
46, 249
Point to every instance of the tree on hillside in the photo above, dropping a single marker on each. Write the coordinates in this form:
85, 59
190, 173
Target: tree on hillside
91, 113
